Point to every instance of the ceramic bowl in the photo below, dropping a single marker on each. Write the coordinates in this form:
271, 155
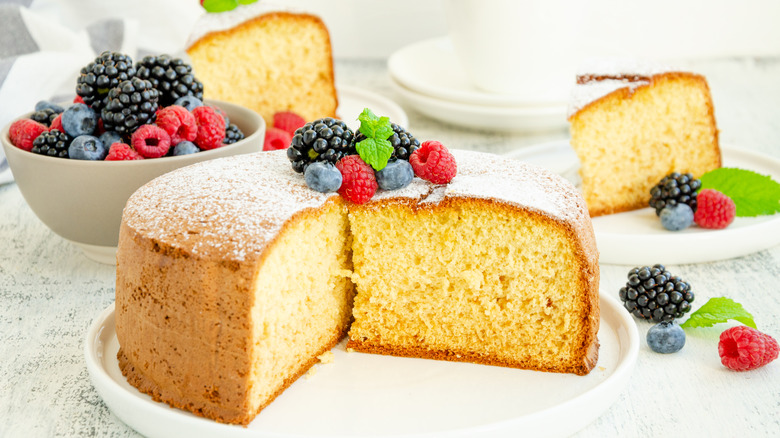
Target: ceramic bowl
82, 201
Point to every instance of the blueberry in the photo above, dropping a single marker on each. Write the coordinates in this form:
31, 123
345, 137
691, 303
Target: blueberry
87, 147
676, 217
185, 148
110, 137
396, 175
666, 337
79, 119
43, 104
188, 102
322, 177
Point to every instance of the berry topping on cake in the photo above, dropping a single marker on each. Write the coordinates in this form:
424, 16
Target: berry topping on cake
666, 337
87, 147
178, 123
101, 75
323, 177
673, 189
151, 141
676, 217
743, 348
79, 119
325, 139
288, 121
172, 77
122, 152
52, 143
129, 105
654, 293
276, 139
715, 211
211, 127
396, 175
358, 182
23, 133
433, 162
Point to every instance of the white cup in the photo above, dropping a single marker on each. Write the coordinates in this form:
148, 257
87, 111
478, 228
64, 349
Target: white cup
526, 48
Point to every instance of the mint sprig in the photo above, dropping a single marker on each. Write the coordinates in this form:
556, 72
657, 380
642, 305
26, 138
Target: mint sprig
376, 149
718, 310
214, 6
753, 194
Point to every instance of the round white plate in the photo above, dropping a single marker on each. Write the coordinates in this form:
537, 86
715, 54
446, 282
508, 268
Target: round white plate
353, 100
503, 119
637, 237
432, 68
370, 395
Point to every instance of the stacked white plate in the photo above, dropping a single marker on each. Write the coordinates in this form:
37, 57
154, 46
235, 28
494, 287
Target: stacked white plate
429, 77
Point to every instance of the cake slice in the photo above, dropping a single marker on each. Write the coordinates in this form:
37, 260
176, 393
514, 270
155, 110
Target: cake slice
629, 130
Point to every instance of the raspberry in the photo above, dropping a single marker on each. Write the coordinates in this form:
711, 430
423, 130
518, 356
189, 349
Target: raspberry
78, 99
742, 348
358, 183
211, 127
178, 123
24, 131
288, 121
121, 152
57, 123
715, 210
275, 139
434, 162
151, 141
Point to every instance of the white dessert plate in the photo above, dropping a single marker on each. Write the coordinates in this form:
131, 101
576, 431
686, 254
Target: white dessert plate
637, 237
372, 395
353, 100
520, 119
432, 68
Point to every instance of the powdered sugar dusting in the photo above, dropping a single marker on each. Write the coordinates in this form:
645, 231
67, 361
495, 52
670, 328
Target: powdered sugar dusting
216, 22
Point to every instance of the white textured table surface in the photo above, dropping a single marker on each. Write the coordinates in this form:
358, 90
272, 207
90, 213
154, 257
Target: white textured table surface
49, 294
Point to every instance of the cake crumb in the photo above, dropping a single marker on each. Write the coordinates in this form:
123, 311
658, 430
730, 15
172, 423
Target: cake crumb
309, 374
350, 350
326, 357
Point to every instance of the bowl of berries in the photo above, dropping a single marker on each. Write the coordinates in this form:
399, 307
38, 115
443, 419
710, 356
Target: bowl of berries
77, 164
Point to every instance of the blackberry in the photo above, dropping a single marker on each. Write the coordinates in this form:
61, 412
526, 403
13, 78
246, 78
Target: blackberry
673, 189
232, 134
101, 75
325, 139
402, 140
129, 105
654, 293
45, 116
52, 143
172, 77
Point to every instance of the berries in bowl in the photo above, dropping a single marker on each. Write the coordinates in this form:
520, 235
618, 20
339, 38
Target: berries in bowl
76, 176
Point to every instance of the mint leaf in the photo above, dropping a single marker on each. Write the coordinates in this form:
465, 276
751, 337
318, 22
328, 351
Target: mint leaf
219, 5
717, 310
246, 2
375, 152
754, 194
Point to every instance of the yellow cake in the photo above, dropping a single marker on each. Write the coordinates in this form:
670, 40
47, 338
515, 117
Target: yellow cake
233, 277
266, 60
629, 130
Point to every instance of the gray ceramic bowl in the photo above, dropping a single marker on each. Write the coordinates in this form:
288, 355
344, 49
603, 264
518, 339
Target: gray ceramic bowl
82, 201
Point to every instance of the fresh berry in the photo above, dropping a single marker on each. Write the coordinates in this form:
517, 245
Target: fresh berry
185, 148
654, 293
716, 210
326, 139
24, 131
52, 143
43, 104
44, 116
674, 188
288, 121
78, 99
79, 119
233, 134
178, 123
403, 142
110, 137
188, 102
151, 141
676, 217
87, 147
172, 77
323, 177
396, 175
122, 152
101, 75
222, 113
275, 139
211, 127
743, 348
358, 183
129, 105
666, 337
433, 162
57, 123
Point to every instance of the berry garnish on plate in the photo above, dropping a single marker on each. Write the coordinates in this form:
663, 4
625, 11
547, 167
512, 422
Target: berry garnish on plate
676, 217
673, 189
288, 121
654, 293
666, 337
743, 348
716, 210
276, 139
